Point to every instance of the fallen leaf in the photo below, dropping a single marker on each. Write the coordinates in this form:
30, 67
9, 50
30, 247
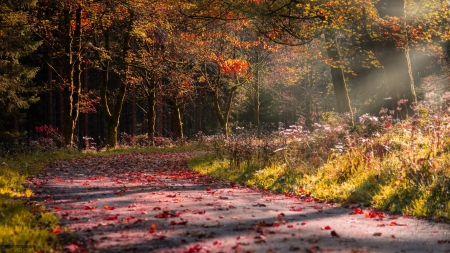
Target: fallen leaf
56, 230
358, 211
89, 207
377, 234
115, 217
327, 228
334, 234
109, 207
292, 208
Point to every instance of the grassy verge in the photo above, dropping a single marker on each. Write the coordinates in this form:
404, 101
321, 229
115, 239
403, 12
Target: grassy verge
30, 224
403, 168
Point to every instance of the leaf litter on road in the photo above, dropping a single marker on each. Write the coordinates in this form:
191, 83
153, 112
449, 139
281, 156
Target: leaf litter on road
154, 202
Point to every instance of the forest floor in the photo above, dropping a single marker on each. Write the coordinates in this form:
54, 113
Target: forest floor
155, 203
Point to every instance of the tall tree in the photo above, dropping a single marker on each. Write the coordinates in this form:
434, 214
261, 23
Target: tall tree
17, 42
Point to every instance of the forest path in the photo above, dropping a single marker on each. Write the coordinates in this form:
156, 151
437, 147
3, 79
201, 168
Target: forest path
154, 203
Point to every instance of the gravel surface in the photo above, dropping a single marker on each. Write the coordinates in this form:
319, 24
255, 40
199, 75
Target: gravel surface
154, 203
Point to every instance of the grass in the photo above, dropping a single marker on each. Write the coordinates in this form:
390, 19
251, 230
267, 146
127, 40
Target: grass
402, 167
23, 222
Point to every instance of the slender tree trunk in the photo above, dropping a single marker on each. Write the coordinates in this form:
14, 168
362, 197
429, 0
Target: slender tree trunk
151, 115
175, 118
72, 85
256, 102
223, 116
50, 90
198, 114
337, 76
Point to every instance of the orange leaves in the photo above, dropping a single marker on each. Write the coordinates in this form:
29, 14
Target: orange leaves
234, 66
109, 207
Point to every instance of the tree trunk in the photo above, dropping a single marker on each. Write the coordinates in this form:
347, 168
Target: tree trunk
396, 61
198, 114
50, 90
112, 119
223, 116
72, 86
337, 76
175, 116
256, 102
151, 116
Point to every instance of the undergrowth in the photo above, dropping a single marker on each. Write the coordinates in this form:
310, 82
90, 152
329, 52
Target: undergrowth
395, 165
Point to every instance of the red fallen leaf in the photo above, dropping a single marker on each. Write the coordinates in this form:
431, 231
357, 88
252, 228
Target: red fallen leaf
303, 223
57, 230
290, 226
196, 248
377, 234
393, 223
57, 209
157, 208
374, 214
168, 214
334, 234
115, 217
92, 178
264, 224
89, 207
109, 207
208, 189
120, 194
358, 211
392, 236
292, 208
65, 214
74, 218
49, 200
137, 221
178, 223
280, 214
217, 243
327, 228
151, 231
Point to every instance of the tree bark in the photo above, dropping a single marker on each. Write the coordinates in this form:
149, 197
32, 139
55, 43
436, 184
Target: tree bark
337, 76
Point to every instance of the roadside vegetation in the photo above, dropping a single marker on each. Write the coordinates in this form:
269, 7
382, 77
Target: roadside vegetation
393, 164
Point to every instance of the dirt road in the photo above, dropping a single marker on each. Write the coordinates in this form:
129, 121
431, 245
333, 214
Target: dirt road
154, 203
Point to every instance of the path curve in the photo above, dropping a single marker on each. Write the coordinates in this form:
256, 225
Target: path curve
154, 203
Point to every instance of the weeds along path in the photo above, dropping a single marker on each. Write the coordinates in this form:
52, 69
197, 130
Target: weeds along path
154, 203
